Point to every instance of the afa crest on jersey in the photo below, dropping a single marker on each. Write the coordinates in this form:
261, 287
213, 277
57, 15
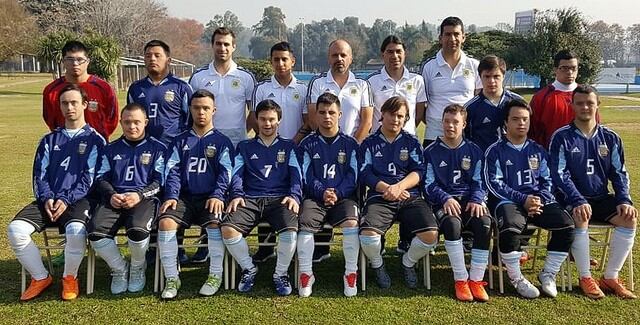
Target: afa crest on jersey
466, 163
145, 158
603, 150
404, 154
210, 151
281, 157
169, 96
466, 73
353, 91
342, 157
409, 88
235, 83
82, 147
93, 106
296, 96
534, 163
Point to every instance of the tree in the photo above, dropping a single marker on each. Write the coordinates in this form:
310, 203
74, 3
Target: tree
183, 36
632, 40
269, 30
505, 27
17, 28
55, 15
261, 69
377, 33
610, 39
228, 19
494, 42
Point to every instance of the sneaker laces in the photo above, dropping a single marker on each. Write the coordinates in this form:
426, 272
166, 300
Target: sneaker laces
213, 281
590, 283
172, 284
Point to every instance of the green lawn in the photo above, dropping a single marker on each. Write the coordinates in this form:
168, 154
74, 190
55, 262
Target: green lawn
21, 127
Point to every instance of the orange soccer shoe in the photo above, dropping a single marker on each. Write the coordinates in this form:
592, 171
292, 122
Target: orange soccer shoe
463, 293
590, 288
36, 288
70, 288
617, 287
477, 290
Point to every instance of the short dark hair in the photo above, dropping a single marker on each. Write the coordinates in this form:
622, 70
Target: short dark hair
71, 87
281, 46
328, 99
491, 62
451, 21
202, 93
455, 109
516, 102
585, 89
154, 43
133, 107
564, 55
74, 46
223, 31
393, 104
389, 40
269, 105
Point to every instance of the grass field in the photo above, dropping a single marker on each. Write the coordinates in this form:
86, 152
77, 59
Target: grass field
21, 127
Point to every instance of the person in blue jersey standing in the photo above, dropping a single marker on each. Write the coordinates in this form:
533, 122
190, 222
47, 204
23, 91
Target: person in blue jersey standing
128, 180
518, 178
197, 175
266, 186
63, 172
330, 172
392, 170
453, 185
585, 157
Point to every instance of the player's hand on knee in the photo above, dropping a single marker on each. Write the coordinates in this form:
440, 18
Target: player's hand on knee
452, 207
475, 209
582, 212
533, 205
233, 205
627, 211
59, 207
393, 193
215, 206
330, 197
131, 199
291, 204
117, 200
168, 204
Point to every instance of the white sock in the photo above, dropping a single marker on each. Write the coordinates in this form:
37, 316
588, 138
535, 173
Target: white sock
350, 249
621, 244
27, 253
238, 248
285, 250
511, 262
479, 260
138, 251
417, 250
168, 250
456, 258
371, 248
107, 249
580, 252
216, 251
305, 252
76, 235
553, 262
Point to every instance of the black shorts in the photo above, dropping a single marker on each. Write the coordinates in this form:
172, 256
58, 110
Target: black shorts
380, 214
314, 214
602, 209
513, 217
465, 216
34, 214
106, 220
191, 210
257, 210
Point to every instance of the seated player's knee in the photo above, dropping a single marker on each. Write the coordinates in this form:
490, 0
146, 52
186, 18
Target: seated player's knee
561, 240
212, 225
167, 224
451, 227
509, 241
19, 233
75, 228
428, 237
137, 234
94, 237
99, 242
229, 232
349, 224
582, 224
369, 233
288, 236
481, 228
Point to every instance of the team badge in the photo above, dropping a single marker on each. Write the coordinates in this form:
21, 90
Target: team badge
281, 156
353, 91
404, 154
409, 88
93, 106
145, 158
82, 147
235, 83
169, 96
466, 163
296, 97
210, 151
342, 157
603, 150
533, 162
466, 73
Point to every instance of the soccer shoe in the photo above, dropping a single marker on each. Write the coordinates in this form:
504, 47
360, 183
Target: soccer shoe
382, 277
617, 287
182, 256
590, 288
350, 284
36, 288
525, 288
410, 277
247, 280
320, 255
120, 280
463, 293
282, 285
211, 286
201, 255
403, 246
263, 254
306, 284
477, 291
171, 288
548, 284
137, 278
70, 288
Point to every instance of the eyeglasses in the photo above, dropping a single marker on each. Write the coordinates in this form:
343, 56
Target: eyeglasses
78, 61
566, 68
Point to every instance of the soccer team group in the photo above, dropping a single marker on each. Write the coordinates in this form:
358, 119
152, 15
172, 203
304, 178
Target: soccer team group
341, 151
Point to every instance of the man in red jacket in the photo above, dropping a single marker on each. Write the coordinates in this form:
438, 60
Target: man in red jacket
102, 110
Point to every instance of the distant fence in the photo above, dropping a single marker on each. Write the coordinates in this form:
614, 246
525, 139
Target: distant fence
21, 63
132, 69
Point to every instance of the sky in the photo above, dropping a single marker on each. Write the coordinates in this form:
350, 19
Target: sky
479, 12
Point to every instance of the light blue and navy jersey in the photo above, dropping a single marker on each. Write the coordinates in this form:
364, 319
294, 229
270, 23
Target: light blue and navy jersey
513, 172
65, 164
390, 162
167, 106
581, 167
133, 167
199, 165
453, 172
485, 120
329, 165
266, 171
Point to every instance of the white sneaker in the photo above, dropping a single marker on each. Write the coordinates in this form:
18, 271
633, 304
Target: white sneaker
305, 284
350, 284
120, 280
171, 288
211, 286
525, 288
548, 284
